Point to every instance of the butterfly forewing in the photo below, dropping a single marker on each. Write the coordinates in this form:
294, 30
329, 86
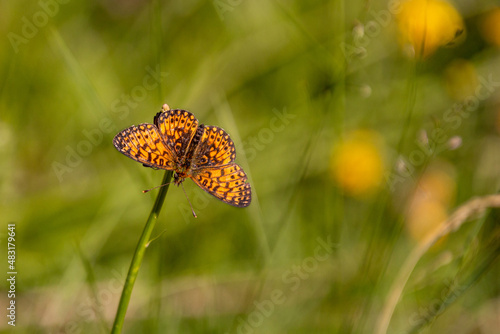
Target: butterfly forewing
228, 183
144, 144
215, 148
177, 128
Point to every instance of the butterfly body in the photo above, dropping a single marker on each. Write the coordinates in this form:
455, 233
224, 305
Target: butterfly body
203, 153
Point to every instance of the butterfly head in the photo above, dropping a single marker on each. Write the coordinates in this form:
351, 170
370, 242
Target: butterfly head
179, 177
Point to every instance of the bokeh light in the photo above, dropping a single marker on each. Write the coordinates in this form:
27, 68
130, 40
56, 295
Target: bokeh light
490, 27
357, 163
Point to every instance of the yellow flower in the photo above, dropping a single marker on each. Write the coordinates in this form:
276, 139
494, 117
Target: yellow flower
426, 25
356, 164
428, 205
425, 218
490, 27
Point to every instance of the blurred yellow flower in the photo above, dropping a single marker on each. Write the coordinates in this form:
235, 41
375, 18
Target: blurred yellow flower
424, 218
426, 25
490, 27
356, 164
428, 205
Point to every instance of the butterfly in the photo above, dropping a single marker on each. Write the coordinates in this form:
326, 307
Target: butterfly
204, 153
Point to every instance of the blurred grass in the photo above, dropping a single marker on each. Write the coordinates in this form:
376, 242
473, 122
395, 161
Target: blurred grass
237, 70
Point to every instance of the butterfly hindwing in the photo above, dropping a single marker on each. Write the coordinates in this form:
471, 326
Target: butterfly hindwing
144, 144
228, 183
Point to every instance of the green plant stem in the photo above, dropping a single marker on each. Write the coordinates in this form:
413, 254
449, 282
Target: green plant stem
139, 255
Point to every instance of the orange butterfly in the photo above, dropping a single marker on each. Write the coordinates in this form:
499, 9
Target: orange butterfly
203, 153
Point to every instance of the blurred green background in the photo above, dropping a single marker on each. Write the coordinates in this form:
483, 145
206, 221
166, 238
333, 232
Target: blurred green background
354, 151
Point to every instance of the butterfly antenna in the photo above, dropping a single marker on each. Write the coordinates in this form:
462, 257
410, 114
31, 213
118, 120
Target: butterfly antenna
161, 185
192, 210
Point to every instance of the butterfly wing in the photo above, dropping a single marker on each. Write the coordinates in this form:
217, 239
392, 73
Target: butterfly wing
143, 143
177, 128
176, 137
215, 148
227, 183
214, 170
